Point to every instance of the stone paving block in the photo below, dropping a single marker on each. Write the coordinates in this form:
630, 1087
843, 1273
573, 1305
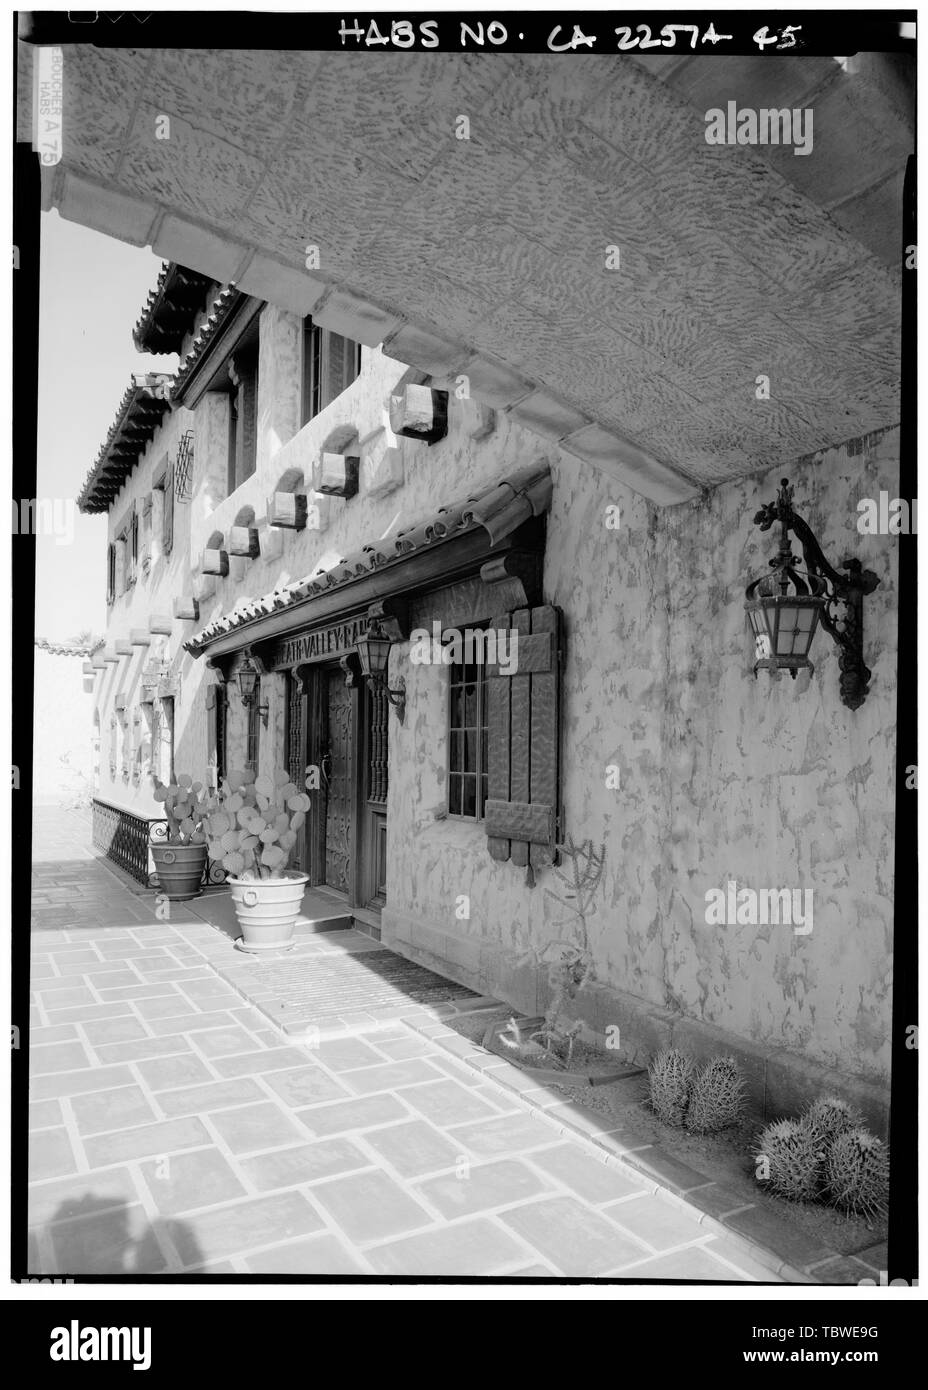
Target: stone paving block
317, 1255
518, 1133
57, 1201
50, 1154
114, 979
103, 1111
72, 1083
469, 1248
778, 1234
341, 1117
87, 1013
876, 1256
187, 1023
67, 997
305, 1163
586, 1175
656, 1222
44, 1113
197, 1100
447, 1102
114, 1030
144, 1048
118, 1241
405, 1046
577, 1241
347, 1054
390, 1076
188, 1181
695, 1262
457, 1070
305, 1086
54, 1057
161, 1138
269, 1059
210, 988
231, 1230
224, 1042
170, 1073
170, 1005
370, 1205
481, 1187
415, 1148
248, 1128
138, 991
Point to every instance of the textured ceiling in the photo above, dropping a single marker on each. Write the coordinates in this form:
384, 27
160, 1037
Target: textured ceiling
734, 261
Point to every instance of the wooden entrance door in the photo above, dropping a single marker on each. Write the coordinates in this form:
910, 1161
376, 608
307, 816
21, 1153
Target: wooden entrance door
338, 765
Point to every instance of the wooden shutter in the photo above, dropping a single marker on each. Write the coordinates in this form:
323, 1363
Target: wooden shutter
110, 573
339, 365
523, 718
167, 512
216, 732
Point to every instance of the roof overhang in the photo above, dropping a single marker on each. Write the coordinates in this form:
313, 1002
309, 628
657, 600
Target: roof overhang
230, 318
171, 309
139, 414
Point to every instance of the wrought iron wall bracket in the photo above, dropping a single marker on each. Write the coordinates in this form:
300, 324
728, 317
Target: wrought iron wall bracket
848, 589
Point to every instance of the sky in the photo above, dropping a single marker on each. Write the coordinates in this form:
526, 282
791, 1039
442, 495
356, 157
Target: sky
92, 292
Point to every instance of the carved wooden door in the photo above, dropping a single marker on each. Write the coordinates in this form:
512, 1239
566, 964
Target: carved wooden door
337, 772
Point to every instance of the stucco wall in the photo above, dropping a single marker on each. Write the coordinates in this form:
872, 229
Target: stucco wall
62, 750
721, 776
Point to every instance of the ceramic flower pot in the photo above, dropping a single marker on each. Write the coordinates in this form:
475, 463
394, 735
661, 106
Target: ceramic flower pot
267, 909
180, 870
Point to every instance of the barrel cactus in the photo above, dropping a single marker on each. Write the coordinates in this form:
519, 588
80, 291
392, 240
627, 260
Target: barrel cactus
830, 1116
717, 1097
670, 1078
789, 1160
857, 1173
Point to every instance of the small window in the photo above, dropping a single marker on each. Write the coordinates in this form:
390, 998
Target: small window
165, 484
467, 739
243, 415
110, 573
331, 363
134, 544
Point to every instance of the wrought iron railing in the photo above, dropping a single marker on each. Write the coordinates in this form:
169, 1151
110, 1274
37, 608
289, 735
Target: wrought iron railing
127, 839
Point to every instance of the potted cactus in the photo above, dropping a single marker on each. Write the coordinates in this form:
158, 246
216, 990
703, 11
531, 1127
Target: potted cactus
181, 859
251, 827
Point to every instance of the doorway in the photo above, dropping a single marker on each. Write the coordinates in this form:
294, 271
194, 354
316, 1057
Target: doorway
337, 724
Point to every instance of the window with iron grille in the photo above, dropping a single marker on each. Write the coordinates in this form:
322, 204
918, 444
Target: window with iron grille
331, 363
253, 731
133, 545
467, 739
221, 722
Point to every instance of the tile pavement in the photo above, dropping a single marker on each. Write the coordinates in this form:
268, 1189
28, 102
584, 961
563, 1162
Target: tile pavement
174, 1130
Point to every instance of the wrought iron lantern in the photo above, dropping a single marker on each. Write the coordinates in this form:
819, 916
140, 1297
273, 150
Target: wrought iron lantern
248, 687
786, 606
373, 654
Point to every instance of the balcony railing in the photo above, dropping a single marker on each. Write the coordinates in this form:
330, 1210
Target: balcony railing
127, 839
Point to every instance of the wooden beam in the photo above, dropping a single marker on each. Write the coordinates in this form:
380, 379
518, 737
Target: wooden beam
287, 510
161, 623
215, 562
123, 646
138, 637
243, 540
187, 609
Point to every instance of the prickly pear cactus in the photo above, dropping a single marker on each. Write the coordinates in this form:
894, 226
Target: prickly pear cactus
789, 1160
717, 1097
857, 1173
670, 1078
830, 1116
